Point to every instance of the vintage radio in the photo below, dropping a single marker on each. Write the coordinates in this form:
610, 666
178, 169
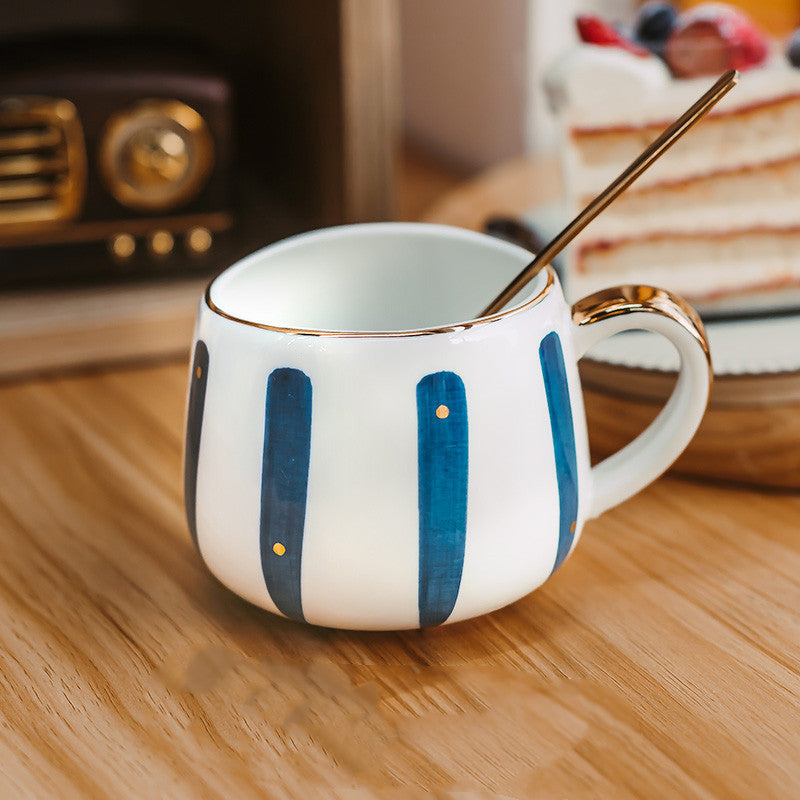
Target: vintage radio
121, 147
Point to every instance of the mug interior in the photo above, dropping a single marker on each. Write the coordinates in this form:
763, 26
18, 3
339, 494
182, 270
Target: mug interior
378, 277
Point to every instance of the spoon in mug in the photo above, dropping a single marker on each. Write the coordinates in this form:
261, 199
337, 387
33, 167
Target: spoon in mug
616, 188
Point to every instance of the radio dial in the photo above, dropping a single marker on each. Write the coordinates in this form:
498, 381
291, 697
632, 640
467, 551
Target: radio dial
156, 155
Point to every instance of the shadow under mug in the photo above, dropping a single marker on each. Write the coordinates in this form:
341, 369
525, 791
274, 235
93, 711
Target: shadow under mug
362, 452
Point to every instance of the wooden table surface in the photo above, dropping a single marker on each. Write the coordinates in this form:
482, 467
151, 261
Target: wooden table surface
661, 661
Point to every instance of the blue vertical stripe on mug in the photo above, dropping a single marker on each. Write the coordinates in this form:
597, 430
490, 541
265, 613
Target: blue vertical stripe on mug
443, 457
194, 428
556, 387
284, 486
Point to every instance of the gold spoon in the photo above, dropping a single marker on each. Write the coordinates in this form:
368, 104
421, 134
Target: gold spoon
616, 188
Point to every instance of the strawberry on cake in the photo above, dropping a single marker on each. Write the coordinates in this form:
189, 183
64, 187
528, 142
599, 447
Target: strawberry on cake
717, 218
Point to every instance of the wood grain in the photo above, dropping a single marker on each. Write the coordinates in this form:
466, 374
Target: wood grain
42, 331
755, 444
659, 662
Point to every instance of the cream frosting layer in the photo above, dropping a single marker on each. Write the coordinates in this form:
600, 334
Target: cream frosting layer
696, 267
594, 87
761, 134
768, 197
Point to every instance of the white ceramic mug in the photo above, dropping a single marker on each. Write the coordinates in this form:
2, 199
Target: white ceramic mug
362, 452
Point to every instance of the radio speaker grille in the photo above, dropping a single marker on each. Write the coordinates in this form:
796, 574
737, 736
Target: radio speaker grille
42, 164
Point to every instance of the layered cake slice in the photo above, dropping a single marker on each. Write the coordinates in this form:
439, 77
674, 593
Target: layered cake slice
716, 219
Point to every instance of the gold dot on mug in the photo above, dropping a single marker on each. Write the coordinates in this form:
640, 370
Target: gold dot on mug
199, 371
572, 528
443, 412
278, 549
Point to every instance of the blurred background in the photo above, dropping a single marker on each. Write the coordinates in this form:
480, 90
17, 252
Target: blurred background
144, 146
472, 69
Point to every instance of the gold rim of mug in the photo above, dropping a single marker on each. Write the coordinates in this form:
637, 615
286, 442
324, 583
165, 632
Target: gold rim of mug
462, 326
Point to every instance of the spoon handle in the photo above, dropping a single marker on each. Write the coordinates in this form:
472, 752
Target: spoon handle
616, 188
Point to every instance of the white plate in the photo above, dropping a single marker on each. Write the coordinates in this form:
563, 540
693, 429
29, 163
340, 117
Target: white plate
750, 345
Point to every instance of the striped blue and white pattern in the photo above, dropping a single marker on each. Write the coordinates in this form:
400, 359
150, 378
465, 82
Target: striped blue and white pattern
494, 499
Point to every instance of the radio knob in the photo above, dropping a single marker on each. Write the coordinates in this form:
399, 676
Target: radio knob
161, 243
156, 155
122, 246
199, 240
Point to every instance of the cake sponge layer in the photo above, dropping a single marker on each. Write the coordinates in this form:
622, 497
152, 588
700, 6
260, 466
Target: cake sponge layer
763, 197
695, 266
759, 134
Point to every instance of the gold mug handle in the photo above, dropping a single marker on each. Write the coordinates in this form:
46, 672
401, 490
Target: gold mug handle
646, 308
